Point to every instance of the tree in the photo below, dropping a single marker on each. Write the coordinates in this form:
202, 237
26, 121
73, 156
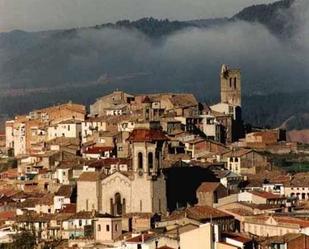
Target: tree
22, 240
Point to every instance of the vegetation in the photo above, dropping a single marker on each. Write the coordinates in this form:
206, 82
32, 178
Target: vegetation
23, 240
268, 15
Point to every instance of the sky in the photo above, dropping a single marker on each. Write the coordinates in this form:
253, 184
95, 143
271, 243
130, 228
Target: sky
35, 15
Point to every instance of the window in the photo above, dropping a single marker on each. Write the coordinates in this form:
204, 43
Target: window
150, 160
235, 82
230, 82
107, 228
69, 127
116, 227
140, 160
99, 228
236, 159
80, 223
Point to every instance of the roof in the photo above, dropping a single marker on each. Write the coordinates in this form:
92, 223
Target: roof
208, 186
65, 190
107, 162
281, 220
238, 237
7, 215
238, 152
90, 176
98, 150
83, 215
141, 238
267, 195
199, 213
34, 217
283, 239
183, 100
147, 135
69, 208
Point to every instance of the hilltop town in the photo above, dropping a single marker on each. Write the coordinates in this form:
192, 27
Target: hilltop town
151, 171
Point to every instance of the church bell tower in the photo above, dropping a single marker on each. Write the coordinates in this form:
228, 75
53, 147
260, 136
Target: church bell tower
230, 86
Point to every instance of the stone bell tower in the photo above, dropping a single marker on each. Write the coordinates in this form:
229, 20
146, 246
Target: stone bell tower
148, 186
230, 86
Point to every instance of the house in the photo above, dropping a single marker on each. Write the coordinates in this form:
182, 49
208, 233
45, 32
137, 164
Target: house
64, 173
267, 226
199, 146
77, 225
63, 196
236, 241
245, 161
297, 187
38, 223
96, 152
107, 228
229, 179
142, 241
261, 139
261, 197
138, 222
68, 128
208, 193
198, 215
107, 105
212, 128
287, 241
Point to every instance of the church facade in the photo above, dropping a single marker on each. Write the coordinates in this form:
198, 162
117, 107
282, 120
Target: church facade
141, 189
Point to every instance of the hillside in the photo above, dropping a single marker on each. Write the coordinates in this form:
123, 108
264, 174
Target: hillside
267, 14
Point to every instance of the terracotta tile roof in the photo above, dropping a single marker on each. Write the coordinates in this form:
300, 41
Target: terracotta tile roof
65, 190
98, 150
34, 217
139, 215
199, 213
47, 199
165, 247
107, 162
267, 195
83, 215
282, 220
237, 236
91, 176
208, 186
7, 215
141, 238
240, 211
147, 135
69, 208
237, 153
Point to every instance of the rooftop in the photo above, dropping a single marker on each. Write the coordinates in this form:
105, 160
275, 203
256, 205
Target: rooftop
147, 135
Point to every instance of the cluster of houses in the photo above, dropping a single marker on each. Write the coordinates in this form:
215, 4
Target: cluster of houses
151, 171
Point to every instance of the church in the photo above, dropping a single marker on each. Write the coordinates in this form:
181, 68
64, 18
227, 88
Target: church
140, 189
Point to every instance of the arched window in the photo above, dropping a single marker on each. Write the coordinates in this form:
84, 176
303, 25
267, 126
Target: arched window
118, 205
235, 82
231, 82
150, 160
140, 160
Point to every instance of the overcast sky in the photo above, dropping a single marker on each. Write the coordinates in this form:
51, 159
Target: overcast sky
36, 15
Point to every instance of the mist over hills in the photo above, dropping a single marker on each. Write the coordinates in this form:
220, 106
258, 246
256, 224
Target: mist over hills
268, 42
